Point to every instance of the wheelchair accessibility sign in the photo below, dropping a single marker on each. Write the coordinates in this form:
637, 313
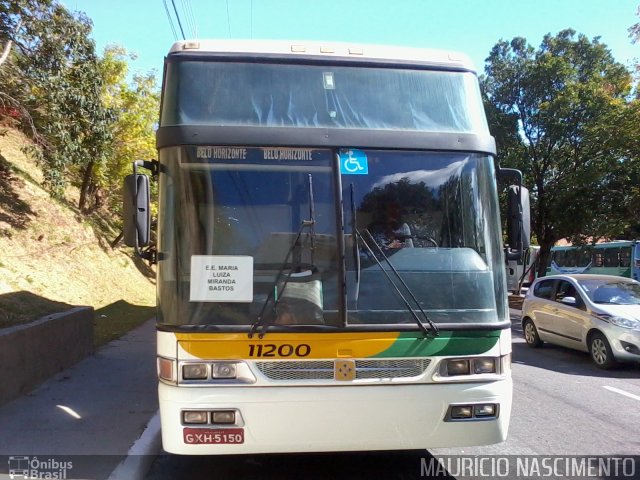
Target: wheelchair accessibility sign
353, 162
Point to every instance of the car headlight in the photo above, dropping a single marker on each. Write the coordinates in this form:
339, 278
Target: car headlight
625, 322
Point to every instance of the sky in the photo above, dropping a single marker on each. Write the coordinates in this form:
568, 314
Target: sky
469, 26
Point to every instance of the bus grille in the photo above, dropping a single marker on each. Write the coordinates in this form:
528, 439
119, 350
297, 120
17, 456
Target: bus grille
324, 369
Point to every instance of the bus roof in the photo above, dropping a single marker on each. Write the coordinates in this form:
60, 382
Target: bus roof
436, 58
611, 244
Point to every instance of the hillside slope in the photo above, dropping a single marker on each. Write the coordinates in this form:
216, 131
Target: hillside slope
51, 257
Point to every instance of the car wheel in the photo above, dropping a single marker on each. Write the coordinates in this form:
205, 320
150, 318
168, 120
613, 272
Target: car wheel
531, 334
601, 352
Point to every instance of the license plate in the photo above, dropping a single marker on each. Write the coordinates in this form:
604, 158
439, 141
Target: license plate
215, 436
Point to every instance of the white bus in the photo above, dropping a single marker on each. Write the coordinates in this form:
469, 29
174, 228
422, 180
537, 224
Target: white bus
331, 274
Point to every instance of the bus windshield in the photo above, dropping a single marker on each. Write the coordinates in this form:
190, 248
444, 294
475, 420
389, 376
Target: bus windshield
327, 96
240, 226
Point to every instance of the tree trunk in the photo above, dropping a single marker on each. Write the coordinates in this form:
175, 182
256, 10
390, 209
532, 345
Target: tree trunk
5, 53
543, 259
7, 47
117, 240
86, 185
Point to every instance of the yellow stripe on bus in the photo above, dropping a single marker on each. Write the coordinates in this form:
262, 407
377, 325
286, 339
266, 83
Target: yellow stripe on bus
212, 346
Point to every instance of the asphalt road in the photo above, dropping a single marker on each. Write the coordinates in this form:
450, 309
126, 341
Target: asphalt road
563, 405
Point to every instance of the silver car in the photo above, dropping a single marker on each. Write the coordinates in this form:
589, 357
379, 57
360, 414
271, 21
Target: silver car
599, 314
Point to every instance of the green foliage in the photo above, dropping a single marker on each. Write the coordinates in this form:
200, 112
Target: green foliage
61, 86
563, 114
87, 122
136, 106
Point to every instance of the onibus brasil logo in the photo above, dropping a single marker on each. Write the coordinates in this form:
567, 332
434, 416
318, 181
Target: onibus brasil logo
34, 468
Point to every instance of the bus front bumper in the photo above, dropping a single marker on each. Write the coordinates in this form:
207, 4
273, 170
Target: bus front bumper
333, 418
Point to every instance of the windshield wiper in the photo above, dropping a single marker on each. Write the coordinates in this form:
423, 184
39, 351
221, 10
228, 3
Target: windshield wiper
433, 330
265, 321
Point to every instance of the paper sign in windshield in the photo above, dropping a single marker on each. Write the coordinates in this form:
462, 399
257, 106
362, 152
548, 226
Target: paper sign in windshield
221, 278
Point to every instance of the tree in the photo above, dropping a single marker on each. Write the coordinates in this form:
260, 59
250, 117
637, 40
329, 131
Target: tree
57, 80
563, 115
634, 30
136, 106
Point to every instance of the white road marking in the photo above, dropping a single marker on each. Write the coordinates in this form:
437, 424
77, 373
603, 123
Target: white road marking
141, 454
621, 392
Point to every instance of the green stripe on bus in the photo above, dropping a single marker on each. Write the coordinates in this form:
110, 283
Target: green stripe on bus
445, 344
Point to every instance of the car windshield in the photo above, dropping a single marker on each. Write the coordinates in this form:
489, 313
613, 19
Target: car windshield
612, 292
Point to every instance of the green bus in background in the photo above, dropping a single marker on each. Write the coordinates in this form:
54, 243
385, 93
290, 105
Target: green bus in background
620, 257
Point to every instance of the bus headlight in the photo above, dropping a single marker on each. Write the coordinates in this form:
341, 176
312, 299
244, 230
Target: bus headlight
191, 417
485, 410
215, 372
223, 370
195, 371
223, 417
472, 412
484, 365
461, 411
458, 367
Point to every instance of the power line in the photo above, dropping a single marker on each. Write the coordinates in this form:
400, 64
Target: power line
178, 18
228, 19
175, 37
189, 13
187, 18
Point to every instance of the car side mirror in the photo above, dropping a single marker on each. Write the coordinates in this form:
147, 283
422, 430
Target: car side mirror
569, 301
136, 203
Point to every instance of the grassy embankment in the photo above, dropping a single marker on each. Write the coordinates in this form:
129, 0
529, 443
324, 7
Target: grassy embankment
53, 258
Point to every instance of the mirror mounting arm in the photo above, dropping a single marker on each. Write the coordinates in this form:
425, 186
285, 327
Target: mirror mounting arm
152, 165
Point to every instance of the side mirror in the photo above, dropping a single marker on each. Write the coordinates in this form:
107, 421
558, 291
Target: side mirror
137, 218
518, 221
569, 301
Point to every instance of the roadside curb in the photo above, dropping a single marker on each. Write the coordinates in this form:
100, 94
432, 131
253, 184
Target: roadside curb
141, 454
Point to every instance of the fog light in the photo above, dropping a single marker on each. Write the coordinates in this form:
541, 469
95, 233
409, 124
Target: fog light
165, 369
488, 410
461, 411
484, 365
223, 416
458, 367
194, 417
194, 371
630, 347
224, 370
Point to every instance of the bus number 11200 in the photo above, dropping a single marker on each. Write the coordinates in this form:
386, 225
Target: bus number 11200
284, 350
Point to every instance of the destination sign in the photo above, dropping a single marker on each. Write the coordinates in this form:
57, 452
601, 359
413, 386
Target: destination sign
268, 154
